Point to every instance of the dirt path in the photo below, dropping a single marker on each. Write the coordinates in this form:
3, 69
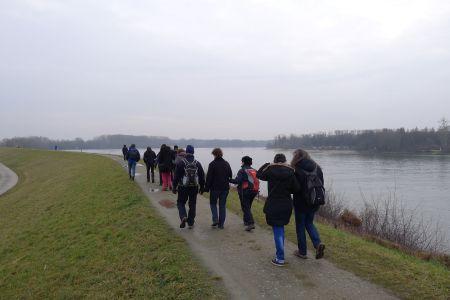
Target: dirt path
8, 179
241, 260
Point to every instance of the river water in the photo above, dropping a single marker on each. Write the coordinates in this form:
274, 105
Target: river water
421, 182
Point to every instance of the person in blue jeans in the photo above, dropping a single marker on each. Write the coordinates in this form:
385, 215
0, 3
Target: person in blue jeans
304, 214
217, 182
133, 156
281, 183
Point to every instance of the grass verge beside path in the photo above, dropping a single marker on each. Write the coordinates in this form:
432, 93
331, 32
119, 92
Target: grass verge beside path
407, 276
76, 227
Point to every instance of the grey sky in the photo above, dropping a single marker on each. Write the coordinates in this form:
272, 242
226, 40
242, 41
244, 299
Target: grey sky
246, 69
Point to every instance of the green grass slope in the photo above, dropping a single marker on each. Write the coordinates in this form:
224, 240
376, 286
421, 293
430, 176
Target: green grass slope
76, 227
407, 276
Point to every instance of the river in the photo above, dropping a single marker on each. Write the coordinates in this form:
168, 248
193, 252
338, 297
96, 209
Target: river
422, 182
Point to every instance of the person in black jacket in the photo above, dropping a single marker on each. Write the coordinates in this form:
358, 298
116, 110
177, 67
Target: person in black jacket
189, 179
304, 214
124, 152
247, 191
149, 159
133, 156
217, 182
281, 184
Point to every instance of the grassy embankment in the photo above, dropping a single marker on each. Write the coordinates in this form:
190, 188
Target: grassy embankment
407, 276
76, 227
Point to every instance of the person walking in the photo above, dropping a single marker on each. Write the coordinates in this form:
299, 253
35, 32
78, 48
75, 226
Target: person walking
133, 156
304, 212
189, 179
248, 188
217, 183
124, 152
165, 166
149, 159
281, 182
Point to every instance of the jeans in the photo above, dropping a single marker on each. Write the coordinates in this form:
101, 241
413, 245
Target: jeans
304, 221
222, 196
247, 198
187, 194
131, 168
278, 236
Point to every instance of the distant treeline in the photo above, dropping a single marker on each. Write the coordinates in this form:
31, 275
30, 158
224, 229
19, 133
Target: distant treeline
118, 140
384, 140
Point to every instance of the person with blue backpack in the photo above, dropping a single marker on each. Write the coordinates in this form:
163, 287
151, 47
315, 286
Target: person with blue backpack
189, 179
248, 188
307, 201
133, 156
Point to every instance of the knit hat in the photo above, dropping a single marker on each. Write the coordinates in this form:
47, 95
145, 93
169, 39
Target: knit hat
247, 160
190, 149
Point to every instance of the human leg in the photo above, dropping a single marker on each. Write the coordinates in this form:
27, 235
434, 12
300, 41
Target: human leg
300, 230
181, 205
278, 235
192, 191
213, 196
222, 207
147, 167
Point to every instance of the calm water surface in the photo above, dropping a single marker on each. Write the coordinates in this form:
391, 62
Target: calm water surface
421, 181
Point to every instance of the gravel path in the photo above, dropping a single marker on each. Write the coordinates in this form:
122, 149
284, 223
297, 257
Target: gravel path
8, 179
241, 260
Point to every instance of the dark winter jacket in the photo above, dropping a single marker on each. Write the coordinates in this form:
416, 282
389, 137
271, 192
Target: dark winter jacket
300, 197
133, 155
165, 160
149, 157
281, 184
124, 150
179, 173
219, 175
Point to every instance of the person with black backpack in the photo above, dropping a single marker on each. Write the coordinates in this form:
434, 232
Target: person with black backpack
133, 156
248, 188
307, 201
189, 179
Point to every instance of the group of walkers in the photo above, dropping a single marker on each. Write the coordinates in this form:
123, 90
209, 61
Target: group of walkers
184, 175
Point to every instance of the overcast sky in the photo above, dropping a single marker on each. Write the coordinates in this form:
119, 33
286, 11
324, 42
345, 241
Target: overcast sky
248, 69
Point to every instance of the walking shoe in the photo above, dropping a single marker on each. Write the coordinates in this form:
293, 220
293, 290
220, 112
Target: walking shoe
191, 226
278, 263
250, 227
221, 226
183, 222
319, 251
214, 224
164, 189
132, 178
297, 253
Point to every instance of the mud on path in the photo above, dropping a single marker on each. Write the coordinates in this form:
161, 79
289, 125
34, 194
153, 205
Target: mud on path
240, 260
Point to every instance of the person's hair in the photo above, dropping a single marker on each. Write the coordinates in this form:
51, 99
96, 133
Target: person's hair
180, 150
175, 147
279, 158
163, 146
247, 160
133, 145
217, 152
298, 156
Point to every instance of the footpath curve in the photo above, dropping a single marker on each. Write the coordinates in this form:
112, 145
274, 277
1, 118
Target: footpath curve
8, 179
241, 260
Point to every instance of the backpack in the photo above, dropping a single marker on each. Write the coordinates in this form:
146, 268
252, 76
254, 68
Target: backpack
133, 154
190, 177
253, 182
315, 192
